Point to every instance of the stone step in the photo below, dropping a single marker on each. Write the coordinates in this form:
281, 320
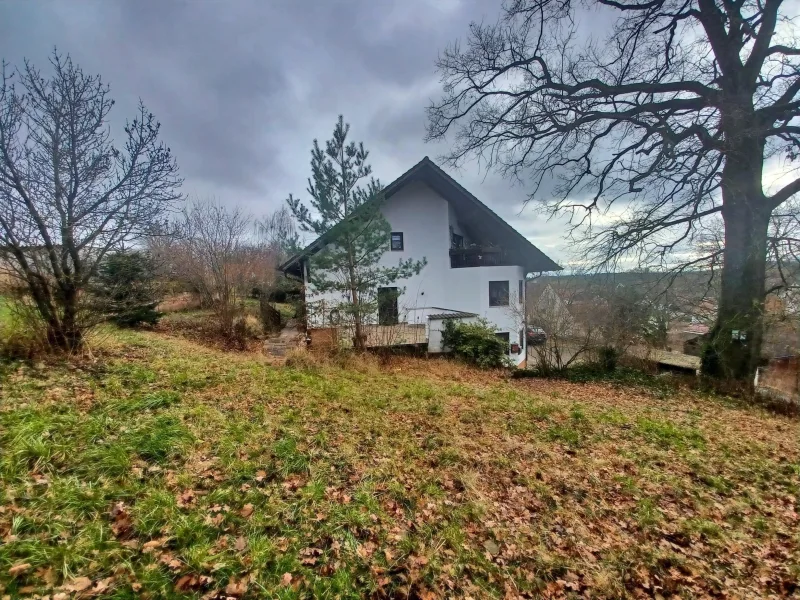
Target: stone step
277, 349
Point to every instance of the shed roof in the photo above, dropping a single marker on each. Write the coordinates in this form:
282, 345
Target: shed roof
452, 314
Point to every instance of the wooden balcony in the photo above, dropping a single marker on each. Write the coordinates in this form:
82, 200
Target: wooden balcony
478, 256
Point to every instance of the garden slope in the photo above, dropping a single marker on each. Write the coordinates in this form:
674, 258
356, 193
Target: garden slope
166, 468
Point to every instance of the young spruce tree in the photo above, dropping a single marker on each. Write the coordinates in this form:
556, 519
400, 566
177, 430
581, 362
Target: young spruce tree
346, 208
126, 289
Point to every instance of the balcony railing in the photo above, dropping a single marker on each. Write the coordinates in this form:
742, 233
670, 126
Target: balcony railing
478, 256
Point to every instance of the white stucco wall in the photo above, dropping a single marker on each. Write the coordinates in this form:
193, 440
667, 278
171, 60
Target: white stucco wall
468, 291
422, 215
424, 218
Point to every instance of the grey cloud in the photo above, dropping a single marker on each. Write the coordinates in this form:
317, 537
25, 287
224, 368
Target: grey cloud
242, 87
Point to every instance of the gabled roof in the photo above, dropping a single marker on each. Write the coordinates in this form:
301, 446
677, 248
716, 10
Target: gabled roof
477, 218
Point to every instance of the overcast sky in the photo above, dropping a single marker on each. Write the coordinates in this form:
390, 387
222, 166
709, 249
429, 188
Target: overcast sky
242, 87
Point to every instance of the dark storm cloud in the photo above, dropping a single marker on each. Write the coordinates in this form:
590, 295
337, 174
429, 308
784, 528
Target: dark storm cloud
242, 87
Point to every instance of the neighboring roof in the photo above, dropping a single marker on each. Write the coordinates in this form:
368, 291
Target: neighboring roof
480, 218
697, 329
452, 314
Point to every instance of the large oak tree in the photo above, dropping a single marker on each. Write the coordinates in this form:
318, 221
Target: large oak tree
668, 121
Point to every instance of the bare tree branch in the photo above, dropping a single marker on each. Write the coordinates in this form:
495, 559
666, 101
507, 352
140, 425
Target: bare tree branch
644, 138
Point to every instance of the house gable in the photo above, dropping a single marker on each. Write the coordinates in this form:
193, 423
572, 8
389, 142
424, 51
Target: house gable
475, 220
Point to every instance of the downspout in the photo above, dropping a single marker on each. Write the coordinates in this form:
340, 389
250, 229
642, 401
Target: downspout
525, 318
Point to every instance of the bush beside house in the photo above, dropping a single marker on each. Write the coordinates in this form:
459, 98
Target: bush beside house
476, 343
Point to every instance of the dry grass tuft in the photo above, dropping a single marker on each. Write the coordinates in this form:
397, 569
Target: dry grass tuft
179, 302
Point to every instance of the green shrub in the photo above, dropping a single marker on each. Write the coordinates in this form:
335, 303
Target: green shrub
271, 318
607, 357
476, 343
126, 290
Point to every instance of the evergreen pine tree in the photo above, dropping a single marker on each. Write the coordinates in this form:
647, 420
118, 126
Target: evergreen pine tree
346, 208
125, 289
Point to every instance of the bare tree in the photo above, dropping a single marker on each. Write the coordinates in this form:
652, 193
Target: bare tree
668, 122
218, 256
566, 338
783, 245
68, 195
278, 231
585, 316
211, 258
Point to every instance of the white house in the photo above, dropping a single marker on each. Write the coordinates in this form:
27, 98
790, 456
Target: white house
476, 262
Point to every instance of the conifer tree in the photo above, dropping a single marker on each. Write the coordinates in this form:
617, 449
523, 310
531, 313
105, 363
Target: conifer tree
345, 208
126, 289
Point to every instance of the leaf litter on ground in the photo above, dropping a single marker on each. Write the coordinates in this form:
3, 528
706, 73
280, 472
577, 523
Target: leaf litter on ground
382, 477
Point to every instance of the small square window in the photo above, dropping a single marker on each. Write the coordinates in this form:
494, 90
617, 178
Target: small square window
498, 293
397, 241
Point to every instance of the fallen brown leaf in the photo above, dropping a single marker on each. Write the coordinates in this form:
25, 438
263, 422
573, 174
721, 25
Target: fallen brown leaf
236, 587
153, 544
121, 525
48, 575
19, 569
78, 584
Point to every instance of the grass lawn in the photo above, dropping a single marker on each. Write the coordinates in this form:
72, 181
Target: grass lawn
5, 310
165, 468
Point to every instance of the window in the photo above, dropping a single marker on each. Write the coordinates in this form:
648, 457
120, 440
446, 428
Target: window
498, 293
504, 336
397, 241
521, 291
458, 241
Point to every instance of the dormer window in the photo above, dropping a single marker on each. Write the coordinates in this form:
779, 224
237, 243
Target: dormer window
397, 241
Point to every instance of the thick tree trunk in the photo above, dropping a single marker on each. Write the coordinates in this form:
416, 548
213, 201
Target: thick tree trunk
738, 333
735, 348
